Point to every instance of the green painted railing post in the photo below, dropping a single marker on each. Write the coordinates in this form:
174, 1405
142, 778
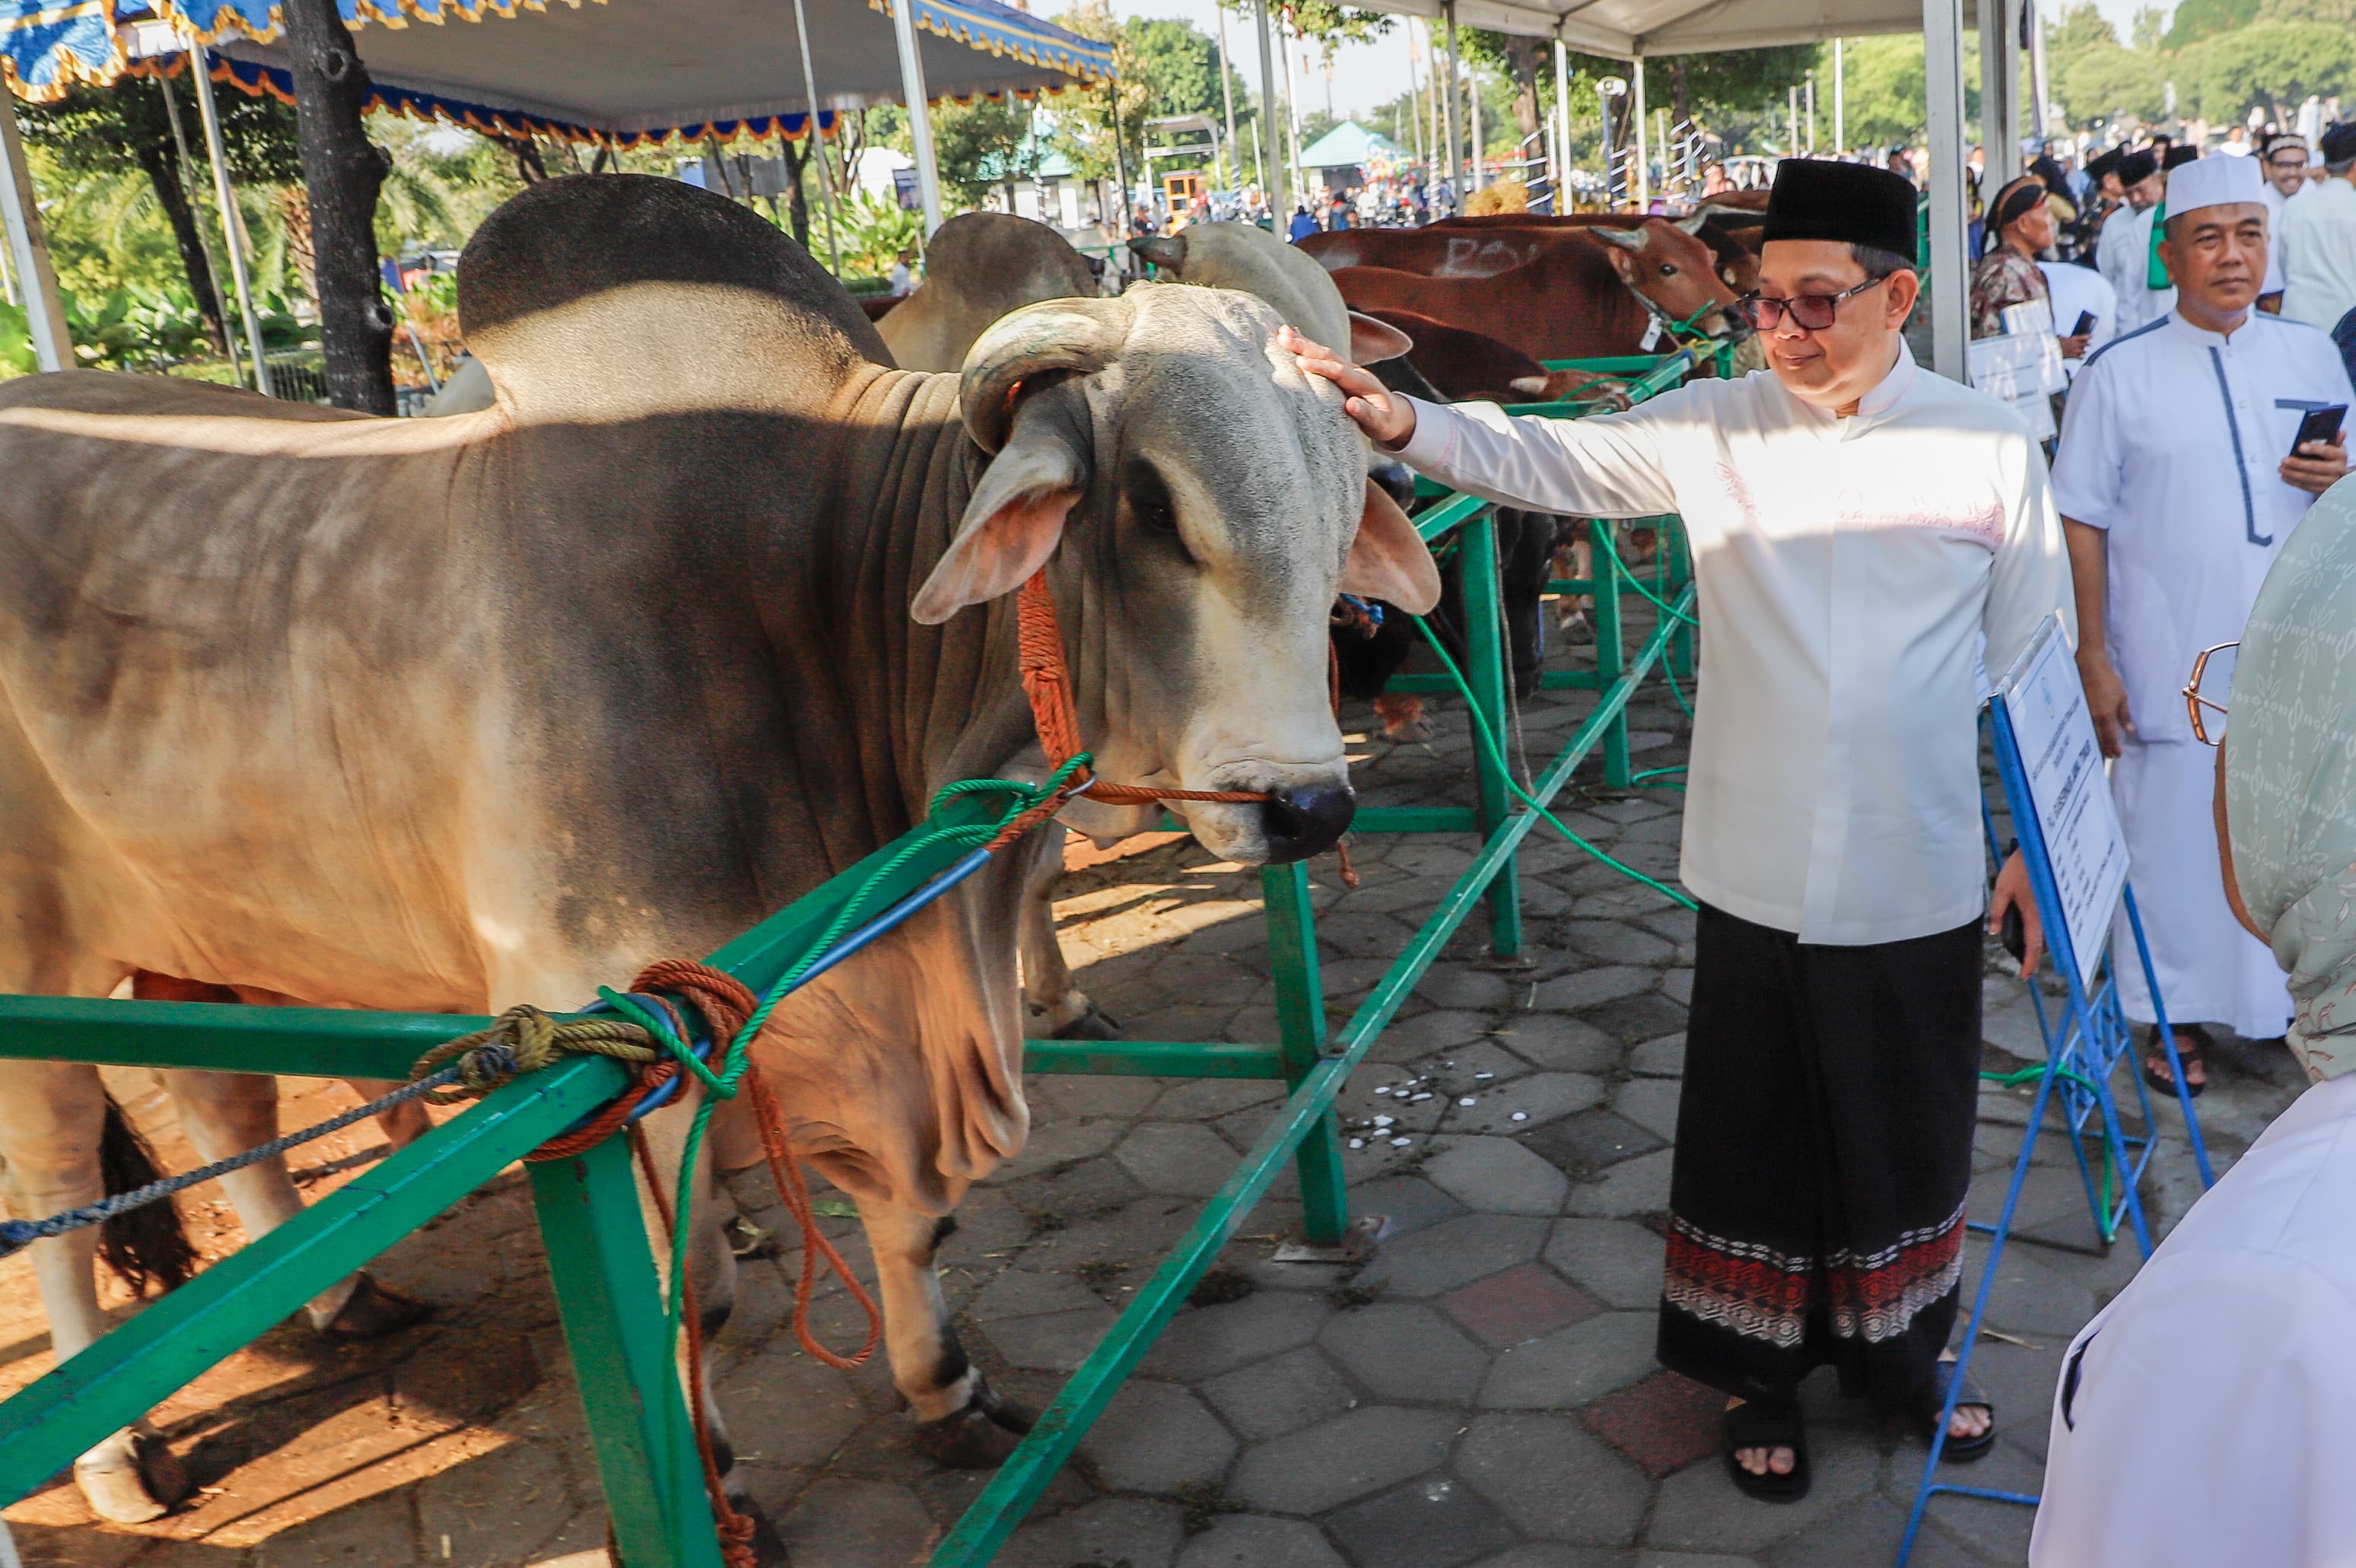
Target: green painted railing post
1611, 651
1484, 639
1301, 1037
606, 1292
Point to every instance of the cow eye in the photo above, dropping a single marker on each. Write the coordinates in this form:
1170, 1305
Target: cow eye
1149, 500
1668, 271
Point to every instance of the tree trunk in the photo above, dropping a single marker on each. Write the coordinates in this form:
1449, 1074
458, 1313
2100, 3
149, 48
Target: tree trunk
164, 173
1521, 54
1678, 109
797, 157
342, 172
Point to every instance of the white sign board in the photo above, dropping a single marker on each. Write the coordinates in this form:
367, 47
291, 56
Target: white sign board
2047, 707
2021, 369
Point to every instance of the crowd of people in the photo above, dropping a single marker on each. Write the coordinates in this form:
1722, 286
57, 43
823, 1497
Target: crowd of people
1870, 540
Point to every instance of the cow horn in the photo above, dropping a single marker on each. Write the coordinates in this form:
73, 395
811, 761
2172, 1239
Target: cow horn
1080, 335
1626, 239
1693, 225
1162, 250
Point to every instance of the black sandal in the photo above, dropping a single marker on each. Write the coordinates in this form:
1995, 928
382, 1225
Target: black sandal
1931, 1407
2154, 1062
1755, 1424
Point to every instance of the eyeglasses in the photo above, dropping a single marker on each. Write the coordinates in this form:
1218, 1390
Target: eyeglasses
1809, 312
2208, 684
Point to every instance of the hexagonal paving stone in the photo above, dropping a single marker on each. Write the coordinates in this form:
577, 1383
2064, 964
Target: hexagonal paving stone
1554, 1480
1618, 1260
1247, 1540
1527, 1302
1640, 1185
1559, 1042
1402, 1351
1572, 1366
1455, 1252
1281, 1394
1405, 1202
1663, 1423
1538, 1100
788, 1408
1587, 987
1651, 1104
1324, 1467
1052, 1341
1497, 1175
1698, 1509
1157, 1437
842, 1523
1581, 1145
1203, 1341
1183, 1159
1664, 1057
1435, 1522
1112, 1529
1615, 942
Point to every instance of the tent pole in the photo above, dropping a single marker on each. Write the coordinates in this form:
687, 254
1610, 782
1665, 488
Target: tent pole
1942, 60
818, 137
1993, 119
1275, 177
920, 112
1227, 100
2037, 78
1840, 103
1455, 68
1643, 158
28, 248
200, 75
212, 262
1478, 174
1562, 126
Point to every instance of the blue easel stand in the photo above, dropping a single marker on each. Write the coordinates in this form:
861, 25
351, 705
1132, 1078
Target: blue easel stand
2083, 1048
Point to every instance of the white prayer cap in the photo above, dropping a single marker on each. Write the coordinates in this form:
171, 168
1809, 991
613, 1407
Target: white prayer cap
2213, 181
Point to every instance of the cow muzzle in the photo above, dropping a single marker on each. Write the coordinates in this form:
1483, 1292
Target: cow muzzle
1306, 820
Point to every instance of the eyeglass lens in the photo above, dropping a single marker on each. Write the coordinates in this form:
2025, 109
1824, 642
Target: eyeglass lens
2215, 687
1812, 312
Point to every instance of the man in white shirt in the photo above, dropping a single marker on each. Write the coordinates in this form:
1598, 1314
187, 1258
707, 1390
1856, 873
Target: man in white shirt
1858, 526
2177, 487
2283, 161
2319, 231
2076, 291
2123, 253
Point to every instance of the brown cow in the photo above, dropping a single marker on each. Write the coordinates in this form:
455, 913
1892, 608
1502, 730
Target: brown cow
1490, 243
1465, 366
1572, 301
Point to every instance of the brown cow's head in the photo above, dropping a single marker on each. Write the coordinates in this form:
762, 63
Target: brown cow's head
1202, 503
1664, 265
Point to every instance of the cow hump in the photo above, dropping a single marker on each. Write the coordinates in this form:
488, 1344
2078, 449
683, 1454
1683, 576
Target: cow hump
623, 289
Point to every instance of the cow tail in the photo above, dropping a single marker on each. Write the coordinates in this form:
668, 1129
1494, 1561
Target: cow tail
146, 1245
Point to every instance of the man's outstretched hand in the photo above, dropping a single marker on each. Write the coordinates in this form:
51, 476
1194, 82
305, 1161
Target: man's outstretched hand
1387, 418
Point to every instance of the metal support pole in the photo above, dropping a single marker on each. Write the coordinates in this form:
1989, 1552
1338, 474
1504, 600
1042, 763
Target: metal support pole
817, 140
1840, 100
1455, 166
1301, 1034
1484, 640
1562, 126
232, 233
1643, 160
1226, 101
1811, 114
1943, 62
28, 248
2037, 95
920, 115
1996, 137
187, 166
1279, 194
1479, 173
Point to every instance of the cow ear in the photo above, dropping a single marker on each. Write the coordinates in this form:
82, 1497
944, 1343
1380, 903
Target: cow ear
1014, 521
1624, 262
1388, 558
1372, 342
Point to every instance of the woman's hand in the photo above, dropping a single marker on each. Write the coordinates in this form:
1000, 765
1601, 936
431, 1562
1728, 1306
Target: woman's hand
2012, 888
1387, 418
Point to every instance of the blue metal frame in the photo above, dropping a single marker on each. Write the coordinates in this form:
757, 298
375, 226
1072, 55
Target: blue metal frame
2080, 1058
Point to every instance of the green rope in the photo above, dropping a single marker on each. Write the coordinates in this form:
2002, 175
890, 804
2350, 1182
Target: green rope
1488, 742
1657, 773
2110, 1166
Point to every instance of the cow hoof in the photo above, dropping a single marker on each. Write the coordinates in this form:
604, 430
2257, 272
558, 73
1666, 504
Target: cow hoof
1093, 1023
134, 1492
375, 1311
1575, 628
970, 1440
1413, 730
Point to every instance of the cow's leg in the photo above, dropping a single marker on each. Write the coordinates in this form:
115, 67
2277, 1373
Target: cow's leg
964, 1422
1053, 1008
405, 1122
225, 1113
52, 1116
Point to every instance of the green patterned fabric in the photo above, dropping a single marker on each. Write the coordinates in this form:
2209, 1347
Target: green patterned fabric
2290, 776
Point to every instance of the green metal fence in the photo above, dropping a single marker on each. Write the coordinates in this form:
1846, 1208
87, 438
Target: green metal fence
598, 1251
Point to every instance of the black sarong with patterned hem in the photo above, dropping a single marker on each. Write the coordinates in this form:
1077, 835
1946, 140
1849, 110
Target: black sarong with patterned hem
1823, 1151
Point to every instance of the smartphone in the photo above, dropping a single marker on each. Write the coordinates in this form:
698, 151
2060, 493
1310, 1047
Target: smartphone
2320, 424
2085, 325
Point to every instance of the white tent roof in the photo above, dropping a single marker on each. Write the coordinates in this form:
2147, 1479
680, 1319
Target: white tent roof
1622, 29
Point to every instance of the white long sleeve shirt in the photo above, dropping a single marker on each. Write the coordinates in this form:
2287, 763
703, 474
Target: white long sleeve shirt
2122, 255
1847, 569
2172, 444
2318, 236
2199, 1428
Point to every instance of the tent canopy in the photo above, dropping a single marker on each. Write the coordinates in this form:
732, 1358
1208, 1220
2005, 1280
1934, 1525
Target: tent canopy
619, 71
1622, 29
1347, 145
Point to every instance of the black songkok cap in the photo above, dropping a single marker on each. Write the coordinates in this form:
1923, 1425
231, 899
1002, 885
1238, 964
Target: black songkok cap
2337, 145
2177, 158
2102, 164
2137, 167
1856, 204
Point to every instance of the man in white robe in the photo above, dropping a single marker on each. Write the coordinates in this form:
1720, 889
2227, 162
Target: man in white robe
2123, 253
1859, 527
2177, 487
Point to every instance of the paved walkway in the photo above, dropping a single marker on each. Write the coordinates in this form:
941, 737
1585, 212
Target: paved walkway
1482, 1393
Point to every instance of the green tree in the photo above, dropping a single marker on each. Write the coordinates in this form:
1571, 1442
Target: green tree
2273, 65
983, 144
96, 135
2198, 19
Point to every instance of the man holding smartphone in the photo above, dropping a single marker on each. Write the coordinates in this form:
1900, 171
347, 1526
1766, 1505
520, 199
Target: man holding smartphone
2180, 474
